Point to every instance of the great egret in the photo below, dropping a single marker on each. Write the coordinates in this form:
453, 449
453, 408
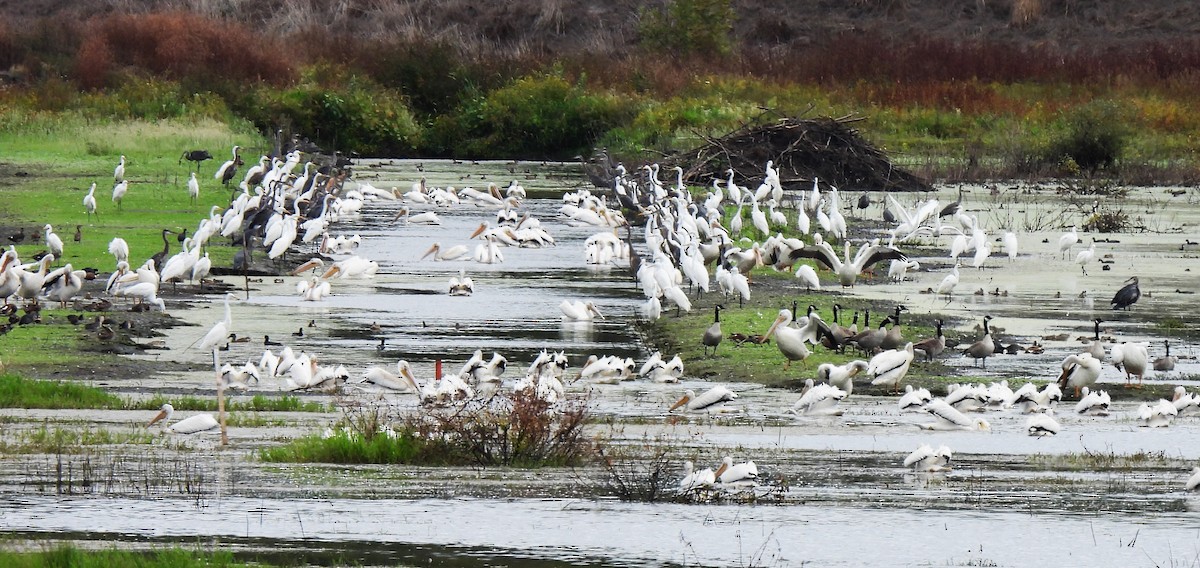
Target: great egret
220, 330
89, 202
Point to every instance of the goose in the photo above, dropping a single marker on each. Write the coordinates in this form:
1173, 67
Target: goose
1042, 424
1096, 348
894, 338
713, 400
190, 425
1167, 362
888, 368
949, 418
712, 335
1157, 416
1093, 402
933, 346
927, 459
869, 340
848, 270
985, 347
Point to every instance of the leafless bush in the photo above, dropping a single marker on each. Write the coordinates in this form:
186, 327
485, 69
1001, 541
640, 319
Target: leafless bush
644, 470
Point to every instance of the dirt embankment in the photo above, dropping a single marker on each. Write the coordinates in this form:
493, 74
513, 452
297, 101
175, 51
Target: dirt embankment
575, 26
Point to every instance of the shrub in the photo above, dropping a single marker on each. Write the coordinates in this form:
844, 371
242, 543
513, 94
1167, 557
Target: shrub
1093, 137
534, 117
689, 26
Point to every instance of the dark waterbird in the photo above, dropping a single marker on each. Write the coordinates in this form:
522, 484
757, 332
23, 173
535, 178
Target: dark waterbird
712, 335
195, 156
1127, 295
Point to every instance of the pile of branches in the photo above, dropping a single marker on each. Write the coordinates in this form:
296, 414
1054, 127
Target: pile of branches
829, 149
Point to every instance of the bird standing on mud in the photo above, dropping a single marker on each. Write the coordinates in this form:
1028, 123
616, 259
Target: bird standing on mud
1127, 295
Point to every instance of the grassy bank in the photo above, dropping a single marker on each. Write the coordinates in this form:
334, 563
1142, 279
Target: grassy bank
68, 556
19, 392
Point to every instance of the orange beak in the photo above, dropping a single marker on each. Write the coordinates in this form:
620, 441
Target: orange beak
680, 402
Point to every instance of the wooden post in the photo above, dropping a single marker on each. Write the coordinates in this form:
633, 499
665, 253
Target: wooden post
220, 398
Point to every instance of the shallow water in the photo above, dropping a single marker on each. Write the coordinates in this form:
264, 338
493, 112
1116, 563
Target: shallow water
845, 484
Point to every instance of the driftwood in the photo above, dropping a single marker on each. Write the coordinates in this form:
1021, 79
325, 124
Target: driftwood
826, 148
829, 149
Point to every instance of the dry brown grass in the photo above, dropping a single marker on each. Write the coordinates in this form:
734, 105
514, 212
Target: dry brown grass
1025, 12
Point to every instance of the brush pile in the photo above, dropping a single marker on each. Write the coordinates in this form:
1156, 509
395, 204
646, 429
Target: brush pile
826, 148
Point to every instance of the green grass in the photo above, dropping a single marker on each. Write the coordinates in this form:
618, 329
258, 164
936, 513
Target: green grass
68, 440
348, 448
18, 392
67, 556
49, 345
65, 154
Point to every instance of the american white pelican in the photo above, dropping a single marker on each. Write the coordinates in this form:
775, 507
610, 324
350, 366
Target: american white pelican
238, 378
737, 475
31, 282
1193, 482
401, 381
488, 252
1133, 358
898, 269
1157, 416
190, 425
1093, 402
1186, 404
1042, 424
62, 284
53, 242
791, 340
608, 369
927, 459
426, 218
713, 400
1067, 240
313, 290
914, 400
841, 376
1032, 400
807, 276
143, 292
819, 400
461, 285
889, 367
1079, 371
352, 267
89, 202
579, 310
848, 270
456, 252
949, 418
119, 249
967, 397
696, 480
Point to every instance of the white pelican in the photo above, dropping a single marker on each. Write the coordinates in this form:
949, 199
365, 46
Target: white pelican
119, 249
696, 480
352, 267
949, 418
426, 218
608, 369
144, 292
927, 459
1133, 358
967, 398
579, 310
62, 284
1033, 400
1079, 372
790, 340
488, 252
31, 282
1093, 402
402, 381
238, 378
1042, 424
889, 367
191, 425
53, 242
1185, 402
914, 400
898, 269
807, 276
819, 400
713, 400
1157, 416
89, 202
313, 290
456, 252
742, 474
461, 285
841, 376
1193, 482
1067, 240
